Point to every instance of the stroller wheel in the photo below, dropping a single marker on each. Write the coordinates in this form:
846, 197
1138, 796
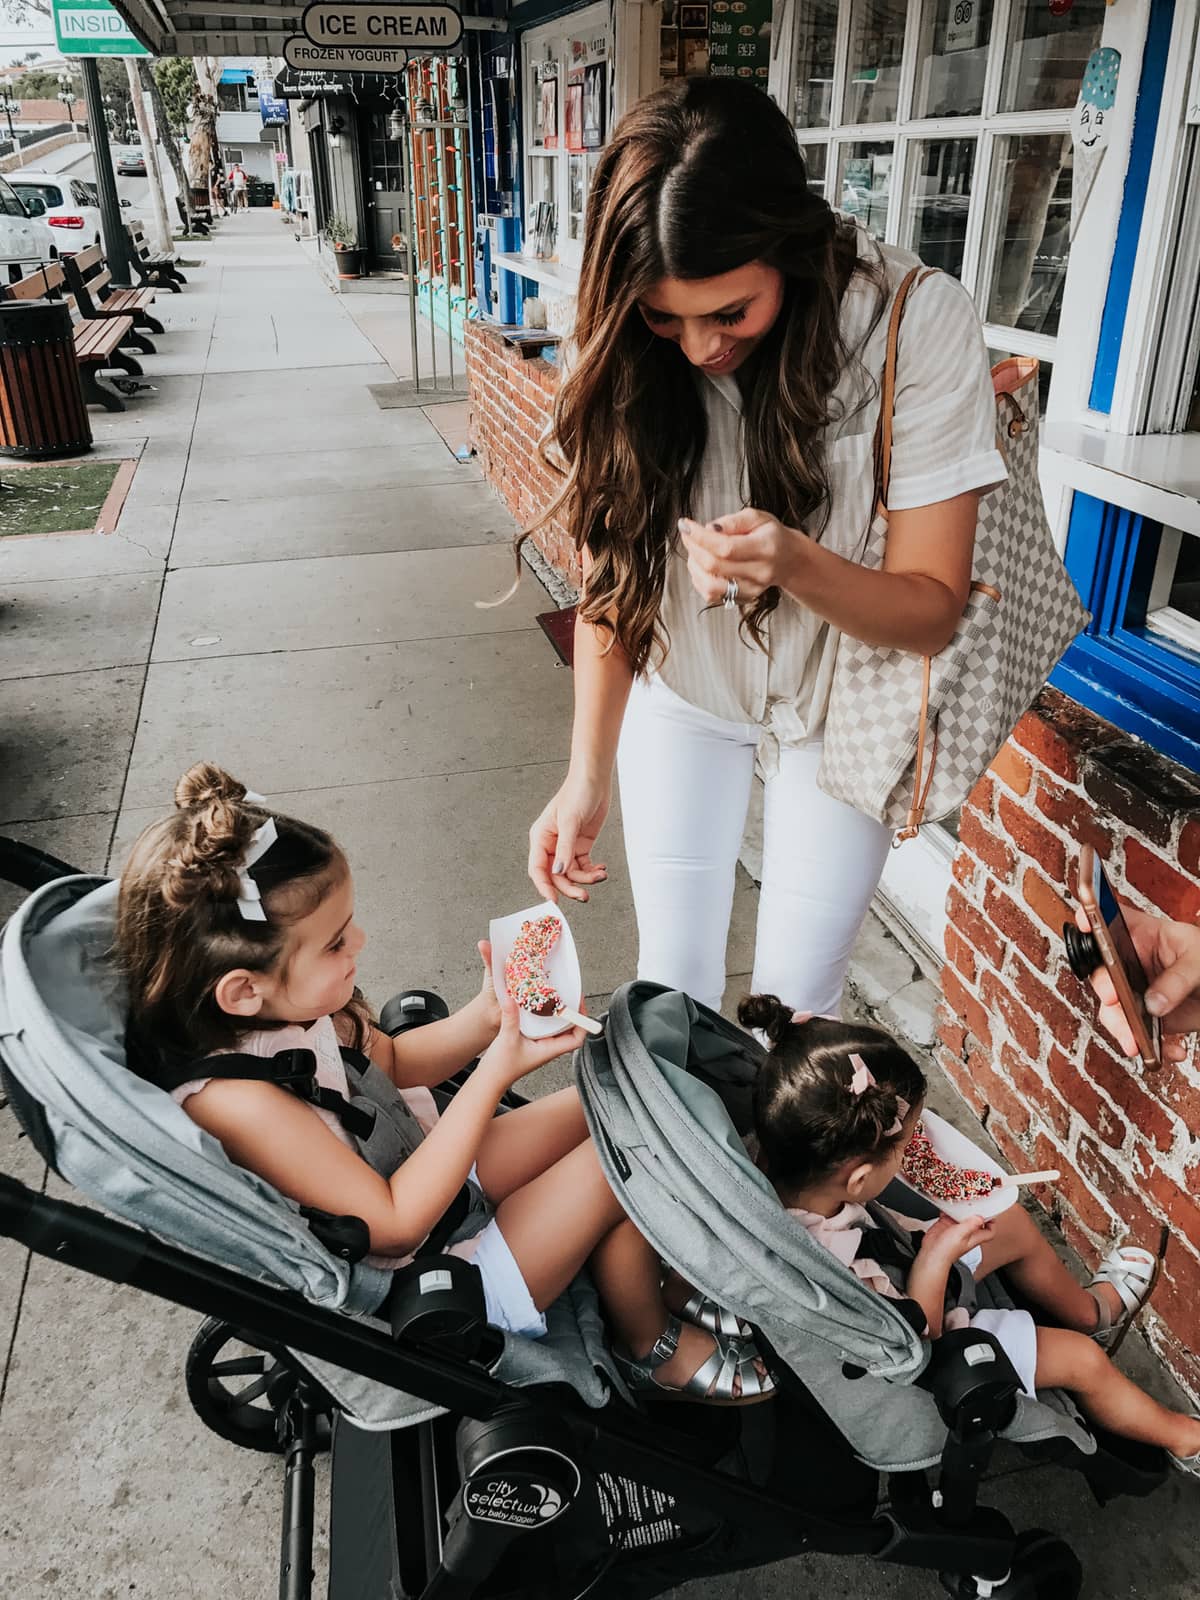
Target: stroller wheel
1043, 1568
239, 1387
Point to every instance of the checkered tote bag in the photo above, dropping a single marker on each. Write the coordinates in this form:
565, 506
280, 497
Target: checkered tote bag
907, 736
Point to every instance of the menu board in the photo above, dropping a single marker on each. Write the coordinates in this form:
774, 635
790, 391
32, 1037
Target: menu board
716, 38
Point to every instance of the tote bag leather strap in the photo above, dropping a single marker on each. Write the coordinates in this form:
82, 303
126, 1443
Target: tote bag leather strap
922, 773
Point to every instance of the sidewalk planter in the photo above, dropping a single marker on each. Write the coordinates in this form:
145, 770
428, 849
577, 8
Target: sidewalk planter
349, 261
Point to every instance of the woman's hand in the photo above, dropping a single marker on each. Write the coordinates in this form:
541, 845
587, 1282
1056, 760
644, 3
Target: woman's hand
1170, 953
562, 839
486, 1002
511, 1055
750, 547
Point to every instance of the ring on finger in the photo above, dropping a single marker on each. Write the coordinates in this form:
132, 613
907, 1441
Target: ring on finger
731, 594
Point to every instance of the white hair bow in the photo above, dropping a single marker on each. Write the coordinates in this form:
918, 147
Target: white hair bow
249, 897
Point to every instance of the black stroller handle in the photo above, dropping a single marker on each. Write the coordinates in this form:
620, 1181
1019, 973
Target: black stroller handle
113, 1250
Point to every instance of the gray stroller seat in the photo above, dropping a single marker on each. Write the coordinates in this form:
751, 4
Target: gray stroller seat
453, 1448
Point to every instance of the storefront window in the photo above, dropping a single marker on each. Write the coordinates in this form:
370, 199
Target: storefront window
1031, 185
816, 46
816, 157
1173, 605
1048, 48
939, 202
876, 48
929, 158
565, 66
952, 58
864, 183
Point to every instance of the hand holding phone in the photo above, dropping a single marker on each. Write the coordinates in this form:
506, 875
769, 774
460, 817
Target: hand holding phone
1118, 976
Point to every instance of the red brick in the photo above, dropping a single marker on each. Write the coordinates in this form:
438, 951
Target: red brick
1034, 1090
965, 1006
1012, 769
1000, 1001
982, 797
1183, 1214
1062, 1022
1140, 1214
960, 954
1001, 1099
1012, 922
1049, 747
959, 1074
963, 869
974, 926
1081, 1239
1079, 996
1073, 815
954, 1036
1115, 1076
1077, 1185
1079, 1094
984, 844
1045, 902
1177, 1299
1189, 848
1165, 888
1013, 1152
1058, 731
1033, 838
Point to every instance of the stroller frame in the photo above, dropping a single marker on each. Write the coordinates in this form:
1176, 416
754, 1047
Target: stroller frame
507, 1478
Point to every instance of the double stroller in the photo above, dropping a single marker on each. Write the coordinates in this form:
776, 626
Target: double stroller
466, 1462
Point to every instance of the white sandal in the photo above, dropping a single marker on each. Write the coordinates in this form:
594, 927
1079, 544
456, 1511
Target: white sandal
1133, 1272
1188, 1464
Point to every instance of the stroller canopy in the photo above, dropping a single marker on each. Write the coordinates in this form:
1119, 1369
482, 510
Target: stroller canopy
666, 1090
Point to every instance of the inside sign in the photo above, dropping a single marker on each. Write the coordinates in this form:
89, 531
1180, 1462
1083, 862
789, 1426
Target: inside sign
366, 24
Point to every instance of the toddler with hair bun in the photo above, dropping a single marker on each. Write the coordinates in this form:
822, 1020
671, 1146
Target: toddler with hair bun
236, 936
835, 1106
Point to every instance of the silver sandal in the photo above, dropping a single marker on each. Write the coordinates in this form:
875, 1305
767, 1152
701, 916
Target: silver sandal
704, 1313
712, 1384
1133, 1272
1188, 1464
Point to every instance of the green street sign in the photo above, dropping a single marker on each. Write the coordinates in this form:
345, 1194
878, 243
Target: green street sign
93, 28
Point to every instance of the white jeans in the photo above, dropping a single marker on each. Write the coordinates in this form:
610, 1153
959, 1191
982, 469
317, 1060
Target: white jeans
685, 779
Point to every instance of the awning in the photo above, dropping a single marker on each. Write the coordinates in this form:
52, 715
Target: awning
243, 27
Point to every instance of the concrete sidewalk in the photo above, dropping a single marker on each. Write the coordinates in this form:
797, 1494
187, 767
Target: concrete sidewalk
290, 592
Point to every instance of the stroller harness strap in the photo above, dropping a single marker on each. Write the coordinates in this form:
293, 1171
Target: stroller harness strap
293, 1070
368, 1122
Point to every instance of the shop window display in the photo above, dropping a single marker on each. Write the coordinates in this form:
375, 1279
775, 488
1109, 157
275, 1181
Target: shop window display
905, 115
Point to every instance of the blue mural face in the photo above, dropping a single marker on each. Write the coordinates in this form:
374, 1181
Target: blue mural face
1097, 96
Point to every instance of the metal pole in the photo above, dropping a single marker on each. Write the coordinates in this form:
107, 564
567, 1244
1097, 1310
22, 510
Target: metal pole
150, 146
407, 146
116, 241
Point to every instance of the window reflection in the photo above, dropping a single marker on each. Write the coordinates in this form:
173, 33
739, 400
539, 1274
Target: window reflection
939, 201
952, 58
876, 47
816, 43
864, 183
1046, 54
1032, 196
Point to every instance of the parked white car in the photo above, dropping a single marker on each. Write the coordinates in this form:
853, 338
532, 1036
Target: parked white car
72, 206
25, 237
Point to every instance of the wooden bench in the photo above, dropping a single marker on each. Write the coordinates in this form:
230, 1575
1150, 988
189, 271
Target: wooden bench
154, 267
98, 341
201, 219
91, 286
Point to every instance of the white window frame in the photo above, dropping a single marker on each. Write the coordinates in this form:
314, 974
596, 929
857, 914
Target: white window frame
988, 127
588, 22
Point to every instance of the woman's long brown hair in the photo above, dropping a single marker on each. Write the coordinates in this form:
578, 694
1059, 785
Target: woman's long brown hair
700, 179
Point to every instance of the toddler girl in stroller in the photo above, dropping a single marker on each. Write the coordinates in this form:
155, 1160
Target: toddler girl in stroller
835, 1107
236, 935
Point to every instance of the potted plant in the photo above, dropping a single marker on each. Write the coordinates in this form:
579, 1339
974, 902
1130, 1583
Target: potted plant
344, 239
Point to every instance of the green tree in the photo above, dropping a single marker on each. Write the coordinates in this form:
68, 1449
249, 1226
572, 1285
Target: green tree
176, 79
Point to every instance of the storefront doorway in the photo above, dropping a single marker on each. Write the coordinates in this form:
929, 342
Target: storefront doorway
385, 200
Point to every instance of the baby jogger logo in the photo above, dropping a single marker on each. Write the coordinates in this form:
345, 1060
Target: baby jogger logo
517, 1499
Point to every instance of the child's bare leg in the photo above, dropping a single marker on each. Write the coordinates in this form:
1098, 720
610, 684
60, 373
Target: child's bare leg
521, 1144
1071, 1361
554, 1222
567, 1214
627, 1271
1018, 1245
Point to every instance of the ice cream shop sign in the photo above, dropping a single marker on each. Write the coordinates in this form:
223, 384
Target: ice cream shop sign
364, 24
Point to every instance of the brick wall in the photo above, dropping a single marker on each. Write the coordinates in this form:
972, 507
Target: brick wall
1017, 1032
511, 401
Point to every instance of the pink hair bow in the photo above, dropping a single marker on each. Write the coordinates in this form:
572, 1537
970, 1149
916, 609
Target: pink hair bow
863, 1078
807, 1016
